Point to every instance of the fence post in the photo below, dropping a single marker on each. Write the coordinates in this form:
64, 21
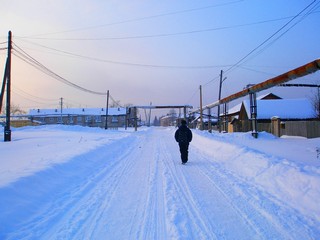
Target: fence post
275, 126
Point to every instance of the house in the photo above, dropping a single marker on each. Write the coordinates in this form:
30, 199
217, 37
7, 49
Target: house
207, 121
92, 117
295, 117
168, 120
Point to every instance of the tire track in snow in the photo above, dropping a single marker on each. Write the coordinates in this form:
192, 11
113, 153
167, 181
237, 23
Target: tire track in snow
187, 220
153, 220
229, 216
253, 205
80, 205
139, 214
99, 205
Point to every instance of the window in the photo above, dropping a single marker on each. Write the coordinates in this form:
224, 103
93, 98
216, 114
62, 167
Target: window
88, 118
97, 118
60, 119
114, 119
79, 119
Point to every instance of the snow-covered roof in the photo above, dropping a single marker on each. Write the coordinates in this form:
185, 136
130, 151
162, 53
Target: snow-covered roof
78, 111
283, 108
300, 108
234, 109
268, 96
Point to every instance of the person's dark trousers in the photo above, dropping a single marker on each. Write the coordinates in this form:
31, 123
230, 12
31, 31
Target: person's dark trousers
184, 151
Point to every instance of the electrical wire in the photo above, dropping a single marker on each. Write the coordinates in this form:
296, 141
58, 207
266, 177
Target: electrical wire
30, 60
160, 66
241, 61
257, 71
22, 92
129, 63
142, 18
270, 37
26, 97
192, 96
287, 30
33, 62
158, 35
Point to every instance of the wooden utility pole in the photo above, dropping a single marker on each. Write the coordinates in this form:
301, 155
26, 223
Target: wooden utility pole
3, 86
209, 120
149, 116
61, 107
107, 110
220, 86
7, 130
135, 119
201, 117
253, 113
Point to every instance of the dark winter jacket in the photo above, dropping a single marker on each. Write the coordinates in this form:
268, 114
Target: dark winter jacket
183, 134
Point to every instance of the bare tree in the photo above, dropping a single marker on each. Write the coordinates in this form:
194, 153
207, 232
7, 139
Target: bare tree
14, 110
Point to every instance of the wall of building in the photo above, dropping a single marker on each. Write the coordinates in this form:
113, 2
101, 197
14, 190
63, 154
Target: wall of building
308, 129
83, 120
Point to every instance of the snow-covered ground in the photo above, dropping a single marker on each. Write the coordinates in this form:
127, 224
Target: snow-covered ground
63, 182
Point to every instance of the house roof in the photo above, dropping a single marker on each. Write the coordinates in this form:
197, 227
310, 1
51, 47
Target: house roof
78, 111
282, 108
235, 109
268, 96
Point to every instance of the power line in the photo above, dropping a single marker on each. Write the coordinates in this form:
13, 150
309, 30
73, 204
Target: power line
170, 66
142, 18
33, 62
257, 71
30, 60
129, 63
158, 35
237, 64
269, 38
161, 34
287, 30
22, 92
26, 97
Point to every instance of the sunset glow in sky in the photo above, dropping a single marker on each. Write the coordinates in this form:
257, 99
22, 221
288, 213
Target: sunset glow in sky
155, 51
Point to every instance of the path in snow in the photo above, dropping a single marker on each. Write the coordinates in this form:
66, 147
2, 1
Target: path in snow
143, 192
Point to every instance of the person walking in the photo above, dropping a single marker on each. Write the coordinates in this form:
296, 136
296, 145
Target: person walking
183, 136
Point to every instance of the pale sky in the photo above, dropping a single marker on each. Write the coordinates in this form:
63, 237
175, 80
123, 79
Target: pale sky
155, 51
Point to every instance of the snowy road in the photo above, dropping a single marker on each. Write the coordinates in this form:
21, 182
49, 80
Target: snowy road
141, 191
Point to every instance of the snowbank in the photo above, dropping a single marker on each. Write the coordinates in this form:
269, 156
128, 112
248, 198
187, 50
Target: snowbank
33, 149
288, 169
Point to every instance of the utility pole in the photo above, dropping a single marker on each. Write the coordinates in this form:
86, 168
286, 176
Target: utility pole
7, 130
209, 120
135, 119
149, 117
201, 117
3, 86
61, 106
220, 87
107, 110
253, 111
